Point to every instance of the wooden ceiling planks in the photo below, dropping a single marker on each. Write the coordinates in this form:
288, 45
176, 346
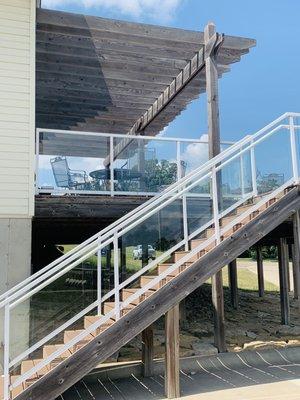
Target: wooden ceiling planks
97, 74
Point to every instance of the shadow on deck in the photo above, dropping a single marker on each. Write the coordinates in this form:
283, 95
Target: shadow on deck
267, 374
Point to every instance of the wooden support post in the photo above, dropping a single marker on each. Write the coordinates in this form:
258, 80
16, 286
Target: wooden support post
233, 283
296, 255
260, 272
218, 305
214, 149
172, 389
147, 351
283, 280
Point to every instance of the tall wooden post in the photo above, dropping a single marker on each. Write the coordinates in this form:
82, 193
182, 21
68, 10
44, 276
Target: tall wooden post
283, 280
233, 283
147, 351
210, 39
296, 255
172, 389
260, 272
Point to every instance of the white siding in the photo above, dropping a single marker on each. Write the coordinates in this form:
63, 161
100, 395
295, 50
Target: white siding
17, 107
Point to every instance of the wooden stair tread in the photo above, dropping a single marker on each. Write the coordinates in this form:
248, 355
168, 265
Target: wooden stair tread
197, 242
164, 267
144, 280
50, 349
109, 306
69, 335
43, 371
126, 293
1, 387
19, 389
26, 366
91, 319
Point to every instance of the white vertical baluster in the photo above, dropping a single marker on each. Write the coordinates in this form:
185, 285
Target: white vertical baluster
253, 170
178, 160
116, 277
184, 202
6, 352
99, 280
37, 160
294, 150
185, 223
242, 174
215, 200
111, 166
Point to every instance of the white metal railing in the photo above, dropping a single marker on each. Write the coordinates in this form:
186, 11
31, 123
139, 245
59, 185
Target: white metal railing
216, 175
120, 162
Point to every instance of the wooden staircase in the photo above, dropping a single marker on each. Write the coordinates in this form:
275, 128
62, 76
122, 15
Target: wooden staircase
98, 345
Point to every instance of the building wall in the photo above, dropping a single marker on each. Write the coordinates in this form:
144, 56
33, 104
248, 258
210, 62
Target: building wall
17, 116
17, 108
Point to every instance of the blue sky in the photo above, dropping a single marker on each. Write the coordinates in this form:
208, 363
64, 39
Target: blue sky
262, 86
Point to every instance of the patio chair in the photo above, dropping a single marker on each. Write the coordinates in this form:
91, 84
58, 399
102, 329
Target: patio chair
67, 178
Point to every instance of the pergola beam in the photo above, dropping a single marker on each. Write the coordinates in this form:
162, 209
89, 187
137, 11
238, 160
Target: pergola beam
186, 75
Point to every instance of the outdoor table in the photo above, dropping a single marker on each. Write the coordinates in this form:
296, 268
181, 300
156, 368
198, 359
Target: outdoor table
119, 174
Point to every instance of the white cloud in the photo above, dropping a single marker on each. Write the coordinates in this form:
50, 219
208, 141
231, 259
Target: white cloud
196, 154
159, 10
163, 132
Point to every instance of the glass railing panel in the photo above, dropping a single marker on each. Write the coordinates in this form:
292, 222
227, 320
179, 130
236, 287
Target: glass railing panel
229, 181
147, 241
297, 138
273, 161
54, 305
246, 172
144, 166
199, 206
73, 163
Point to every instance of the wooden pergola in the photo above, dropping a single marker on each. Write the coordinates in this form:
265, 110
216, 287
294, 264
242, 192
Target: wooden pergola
95, 74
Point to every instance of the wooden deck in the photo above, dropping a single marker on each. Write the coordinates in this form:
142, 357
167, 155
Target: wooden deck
82, 206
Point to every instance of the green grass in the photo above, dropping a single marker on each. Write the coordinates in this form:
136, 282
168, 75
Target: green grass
131, 264
247, 280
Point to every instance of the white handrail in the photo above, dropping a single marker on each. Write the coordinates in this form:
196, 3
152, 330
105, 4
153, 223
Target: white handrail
125, 228
134, 213
112, 233
125, 136
137, 212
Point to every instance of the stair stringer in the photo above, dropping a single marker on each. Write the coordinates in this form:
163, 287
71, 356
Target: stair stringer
125, 329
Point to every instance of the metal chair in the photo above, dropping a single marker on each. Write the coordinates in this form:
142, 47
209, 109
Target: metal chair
67, 178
